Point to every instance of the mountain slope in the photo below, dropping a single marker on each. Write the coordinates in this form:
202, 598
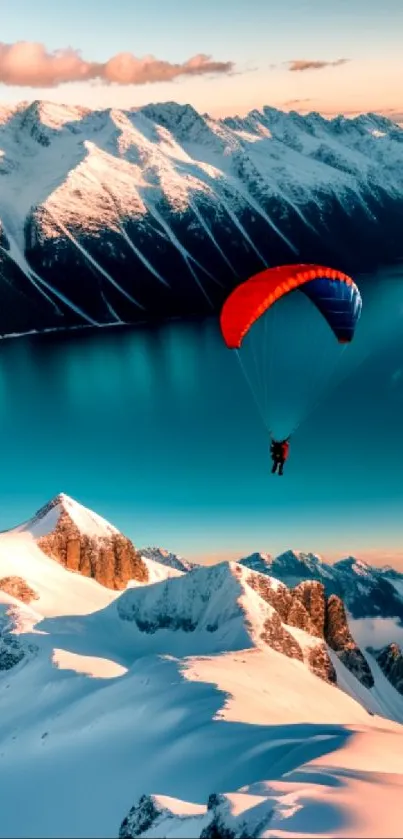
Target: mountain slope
111, 216
138, 708
219, 679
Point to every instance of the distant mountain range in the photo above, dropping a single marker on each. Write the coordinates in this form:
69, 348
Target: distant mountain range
368, 592
125, 216
143, 672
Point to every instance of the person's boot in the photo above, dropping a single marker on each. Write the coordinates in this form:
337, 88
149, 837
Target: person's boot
280, 471
274, 468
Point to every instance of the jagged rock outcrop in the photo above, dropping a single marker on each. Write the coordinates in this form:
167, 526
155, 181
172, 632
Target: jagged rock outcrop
111, 559
320, 664
339, 638
312, 596
225, 824
219, 820
390, 660
279, 639
146, 813
302, 607
367, 591
18, 588
306, 607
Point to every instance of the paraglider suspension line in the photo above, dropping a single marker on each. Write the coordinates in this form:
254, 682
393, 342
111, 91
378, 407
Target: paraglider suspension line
252, 389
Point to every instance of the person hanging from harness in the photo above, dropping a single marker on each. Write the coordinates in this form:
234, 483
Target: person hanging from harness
279, 450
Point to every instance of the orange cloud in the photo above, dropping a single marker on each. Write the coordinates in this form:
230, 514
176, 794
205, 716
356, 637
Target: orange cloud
299, 66
29, 64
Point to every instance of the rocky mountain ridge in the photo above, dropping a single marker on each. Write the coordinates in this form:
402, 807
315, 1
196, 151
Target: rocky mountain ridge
366, 590
83, 542
111, 216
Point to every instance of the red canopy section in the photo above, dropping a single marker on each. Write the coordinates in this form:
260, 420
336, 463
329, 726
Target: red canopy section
252, 298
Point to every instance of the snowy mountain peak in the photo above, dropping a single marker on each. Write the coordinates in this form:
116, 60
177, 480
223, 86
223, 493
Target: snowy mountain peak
86, 521
290, 557
259, 561
291, 563
351, 564
83, 541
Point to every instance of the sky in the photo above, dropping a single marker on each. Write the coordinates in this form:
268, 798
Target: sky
157, 431
222, 57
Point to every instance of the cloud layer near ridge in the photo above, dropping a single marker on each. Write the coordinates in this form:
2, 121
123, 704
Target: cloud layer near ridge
29, 64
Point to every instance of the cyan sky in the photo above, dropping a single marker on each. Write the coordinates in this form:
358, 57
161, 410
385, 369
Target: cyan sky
254, 35
157, 431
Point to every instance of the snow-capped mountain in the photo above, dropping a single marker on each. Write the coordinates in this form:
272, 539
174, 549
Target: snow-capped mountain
174, 692
168, 559
367, 591
83, 541
122, 216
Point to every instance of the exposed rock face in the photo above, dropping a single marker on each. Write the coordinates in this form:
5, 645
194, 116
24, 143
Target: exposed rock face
18, 588
112, 559
306, 607
390, 660
155, 816
224, 824
302, 607
12, 649
340, 640
312, 595
141, 817
279, 639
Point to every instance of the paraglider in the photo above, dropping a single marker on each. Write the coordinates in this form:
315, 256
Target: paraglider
328, 310
279, 450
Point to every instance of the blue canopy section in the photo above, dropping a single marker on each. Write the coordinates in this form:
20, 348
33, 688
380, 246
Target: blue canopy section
339, 302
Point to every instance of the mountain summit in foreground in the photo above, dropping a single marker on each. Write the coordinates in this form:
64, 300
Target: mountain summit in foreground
215, 701
122, 216
83, 541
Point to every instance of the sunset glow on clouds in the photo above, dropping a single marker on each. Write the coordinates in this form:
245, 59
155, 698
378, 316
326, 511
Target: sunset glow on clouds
222, 57
28, 64
30, 70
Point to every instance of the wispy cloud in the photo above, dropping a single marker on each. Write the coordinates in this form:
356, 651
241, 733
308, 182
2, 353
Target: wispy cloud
29, 64
300, 65
289, 103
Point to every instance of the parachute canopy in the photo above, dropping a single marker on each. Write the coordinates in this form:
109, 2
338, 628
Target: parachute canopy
334, 294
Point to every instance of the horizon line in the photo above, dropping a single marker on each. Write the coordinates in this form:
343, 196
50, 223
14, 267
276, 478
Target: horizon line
387, 113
